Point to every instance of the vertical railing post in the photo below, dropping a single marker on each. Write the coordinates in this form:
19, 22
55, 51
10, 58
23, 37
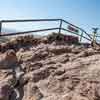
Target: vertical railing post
60, 26
81, 36
0, 27
94, 34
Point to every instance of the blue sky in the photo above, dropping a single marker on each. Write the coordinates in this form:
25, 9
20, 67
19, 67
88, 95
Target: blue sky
84, 13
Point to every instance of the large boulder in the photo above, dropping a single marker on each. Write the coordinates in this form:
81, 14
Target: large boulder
8, 59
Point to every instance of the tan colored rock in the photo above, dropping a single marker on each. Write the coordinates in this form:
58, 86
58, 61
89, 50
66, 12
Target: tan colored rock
48, 70
8, 59
31, 98
32, 92
5, 90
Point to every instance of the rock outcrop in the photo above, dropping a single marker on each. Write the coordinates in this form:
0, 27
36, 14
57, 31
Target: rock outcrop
36, 69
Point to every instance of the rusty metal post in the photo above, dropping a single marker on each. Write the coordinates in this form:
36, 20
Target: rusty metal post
60, 26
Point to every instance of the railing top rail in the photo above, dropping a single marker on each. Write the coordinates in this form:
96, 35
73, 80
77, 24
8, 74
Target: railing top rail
72, 24
28, 20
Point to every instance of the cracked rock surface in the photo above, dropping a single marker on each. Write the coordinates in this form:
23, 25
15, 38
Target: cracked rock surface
36, 69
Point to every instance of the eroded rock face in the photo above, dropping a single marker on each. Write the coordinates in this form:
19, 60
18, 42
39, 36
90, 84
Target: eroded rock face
47, 70
8, 59
32, 92
5, 91
7, 82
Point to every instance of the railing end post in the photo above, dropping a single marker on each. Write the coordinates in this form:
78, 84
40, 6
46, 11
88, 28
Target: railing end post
0, 27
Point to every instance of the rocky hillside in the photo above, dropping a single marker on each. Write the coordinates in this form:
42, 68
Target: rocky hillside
38, 69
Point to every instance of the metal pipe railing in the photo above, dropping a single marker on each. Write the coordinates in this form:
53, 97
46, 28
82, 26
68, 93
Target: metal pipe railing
48, 29
33, 31
29, 20
76, 34
0, 27
60, 26
78, 28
